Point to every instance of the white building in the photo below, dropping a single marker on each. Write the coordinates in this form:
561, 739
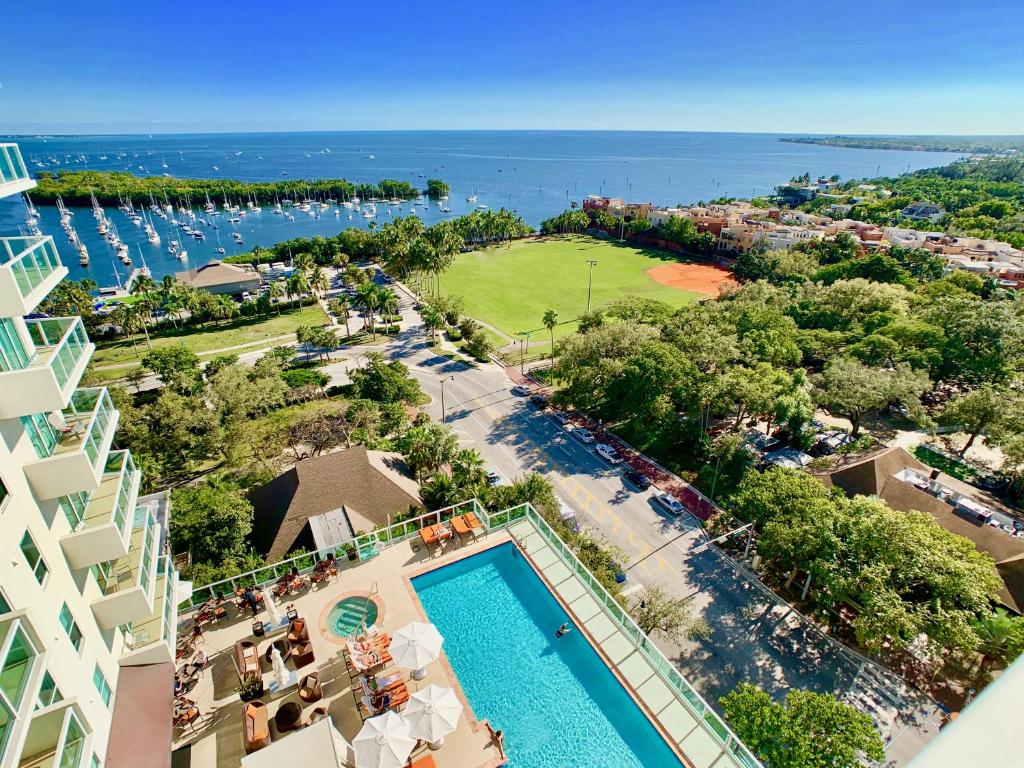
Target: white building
86, 592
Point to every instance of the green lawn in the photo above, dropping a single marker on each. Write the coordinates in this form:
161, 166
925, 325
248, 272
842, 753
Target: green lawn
210, 337
511, 288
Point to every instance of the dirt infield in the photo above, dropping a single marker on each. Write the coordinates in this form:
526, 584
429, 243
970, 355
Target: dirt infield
697, 278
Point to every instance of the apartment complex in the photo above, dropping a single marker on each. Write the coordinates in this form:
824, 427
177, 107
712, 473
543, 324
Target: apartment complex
87, 594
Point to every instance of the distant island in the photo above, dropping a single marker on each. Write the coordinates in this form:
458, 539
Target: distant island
978, 145
114, 187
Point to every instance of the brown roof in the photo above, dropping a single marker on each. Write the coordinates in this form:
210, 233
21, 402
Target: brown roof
369, 486
217, 273
140, 726
874, 476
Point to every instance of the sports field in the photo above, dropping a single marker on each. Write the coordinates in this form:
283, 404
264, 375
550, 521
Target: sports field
511, 288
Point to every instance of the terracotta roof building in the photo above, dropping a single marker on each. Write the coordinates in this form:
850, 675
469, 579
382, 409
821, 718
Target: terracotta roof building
324, 500
904, 483
220, 277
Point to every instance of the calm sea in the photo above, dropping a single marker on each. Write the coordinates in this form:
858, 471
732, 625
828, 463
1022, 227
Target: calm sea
535, 173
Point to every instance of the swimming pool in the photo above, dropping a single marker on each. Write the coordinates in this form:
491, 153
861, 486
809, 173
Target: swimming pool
351, 613
556, 700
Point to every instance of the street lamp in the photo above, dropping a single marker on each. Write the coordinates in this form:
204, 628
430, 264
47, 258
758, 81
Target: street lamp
590, 283
446, 378
526, 335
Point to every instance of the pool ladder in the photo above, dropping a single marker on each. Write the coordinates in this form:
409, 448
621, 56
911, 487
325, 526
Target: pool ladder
361, 626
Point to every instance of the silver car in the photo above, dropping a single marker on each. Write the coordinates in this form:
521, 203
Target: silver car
669, 503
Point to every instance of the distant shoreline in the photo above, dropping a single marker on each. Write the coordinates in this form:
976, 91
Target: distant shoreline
977, 145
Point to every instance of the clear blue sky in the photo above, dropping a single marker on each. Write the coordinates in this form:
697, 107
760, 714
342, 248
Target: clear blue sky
729, 65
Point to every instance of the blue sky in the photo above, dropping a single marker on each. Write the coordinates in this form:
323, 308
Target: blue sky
730, 65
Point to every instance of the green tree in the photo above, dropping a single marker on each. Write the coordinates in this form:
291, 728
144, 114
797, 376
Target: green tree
384, 381
177, 367
550, 322
975, 411
429, 448
853, 390
210, 521
810, 730
657, 611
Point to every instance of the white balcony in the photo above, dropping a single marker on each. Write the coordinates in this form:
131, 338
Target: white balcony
56, 738
14, 176
130, 589
22, 662
62, 352
29, 269
103, 531
153, 639
74, 457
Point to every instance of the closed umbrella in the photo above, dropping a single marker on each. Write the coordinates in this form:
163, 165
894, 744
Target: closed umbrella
273, 612
414, 646
383, 742
432, 714
281, 673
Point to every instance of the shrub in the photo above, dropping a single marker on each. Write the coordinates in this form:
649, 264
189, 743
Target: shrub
299, 377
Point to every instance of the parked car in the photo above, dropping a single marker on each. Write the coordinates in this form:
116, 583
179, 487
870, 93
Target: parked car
520, 391
637, 479
608, 453
493, 477
670, 504
246, 296
561, 417
540, 402
583, 435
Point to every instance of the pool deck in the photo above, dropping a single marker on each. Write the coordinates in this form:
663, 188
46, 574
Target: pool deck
216, 739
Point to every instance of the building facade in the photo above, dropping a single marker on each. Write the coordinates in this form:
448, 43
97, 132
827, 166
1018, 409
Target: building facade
86, 589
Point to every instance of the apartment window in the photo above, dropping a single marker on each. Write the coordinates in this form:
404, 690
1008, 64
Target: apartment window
49, 693
5, 607
102, 686
13, 356
35, 560
68, 622
101, 572
4, 493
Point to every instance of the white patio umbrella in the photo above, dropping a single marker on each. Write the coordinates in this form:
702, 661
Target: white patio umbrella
414, 646
383, 742
432, 714
281, 673
273, 612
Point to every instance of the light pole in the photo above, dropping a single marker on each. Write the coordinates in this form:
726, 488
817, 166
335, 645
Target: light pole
446, 378
590, 283
525, 335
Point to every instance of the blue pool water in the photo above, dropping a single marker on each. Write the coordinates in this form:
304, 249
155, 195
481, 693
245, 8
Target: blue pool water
555, 699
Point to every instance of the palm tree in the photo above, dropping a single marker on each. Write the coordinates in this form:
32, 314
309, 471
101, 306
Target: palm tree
468, 467
368, 296
318, 281
276, 291
223, 307
341, 305
298, 284
143, 283
550, 321
388, 303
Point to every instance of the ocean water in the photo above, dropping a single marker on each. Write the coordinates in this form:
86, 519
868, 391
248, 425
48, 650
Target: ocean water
556, 701
535, 173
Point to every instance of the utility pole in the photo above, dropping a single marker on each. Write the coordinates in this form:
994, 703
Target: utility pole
590, 283
446, 378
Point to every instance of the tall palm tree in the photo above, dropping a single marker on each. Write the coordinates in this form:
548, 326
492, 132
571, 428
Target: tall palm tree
341, 304
318, 281
298, 284
276, 291
223, 307
368, 296
550, 321
143, 283
468, 467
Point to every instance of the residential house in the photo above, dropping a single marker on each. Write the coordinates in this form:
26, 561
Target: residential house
219, 277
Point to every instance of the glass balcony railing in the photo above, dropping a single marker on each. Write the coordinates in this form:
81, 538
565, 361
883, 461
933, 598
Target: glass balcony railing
158, 626
30, 260
61, 343
18, 659
12, 166
136, 568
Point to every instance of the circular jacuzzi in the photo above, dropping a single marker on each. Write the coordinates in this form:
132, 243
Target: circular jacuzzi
352, 615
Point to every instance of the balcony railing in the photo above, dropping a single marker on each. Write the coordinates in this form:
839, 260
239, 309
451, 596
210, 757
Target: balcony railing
152, 639
46, 379
56, 738
129, 589
29, 269
13, 173
73, 456
100, 528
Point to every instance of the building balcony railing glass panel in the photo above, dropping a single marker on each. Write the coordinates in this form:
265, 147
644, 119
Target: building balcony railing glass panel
152, 639
56, 739
45, 380
101, 527
18, 660
14, 176
72, 444
29, 269
128, 593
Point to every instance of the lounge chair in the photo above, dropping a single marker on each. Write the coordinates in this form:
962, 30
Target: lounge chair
426, 761
392, 699
460, 527
369, 656
302, 654
428, 536
310, 689
247, 659
298, 632
473, 521
255, 726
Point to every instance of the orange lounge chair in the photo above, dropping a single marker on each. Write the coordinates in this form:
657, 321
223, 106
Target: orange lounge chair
460, 527
427, 761
472, 520
428, 536
399, 696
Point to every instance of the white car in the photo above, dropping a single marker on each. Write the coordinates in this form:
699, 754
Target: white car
583, 435
669, 503
608, 453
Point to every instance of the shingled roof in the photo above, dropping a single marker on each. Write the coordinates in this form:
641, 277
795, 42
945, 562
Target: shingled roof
366, 486
875, 476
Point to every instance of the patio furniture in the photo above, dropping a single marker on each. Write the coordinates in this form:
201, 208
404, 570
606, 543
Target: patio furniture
383, 742
282, 645
368, 655
310, 689
385, 701
255, 726
473, 521
288, 717
298, 632
186, 713
247, 659
302, 654
427, 761
318, 714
